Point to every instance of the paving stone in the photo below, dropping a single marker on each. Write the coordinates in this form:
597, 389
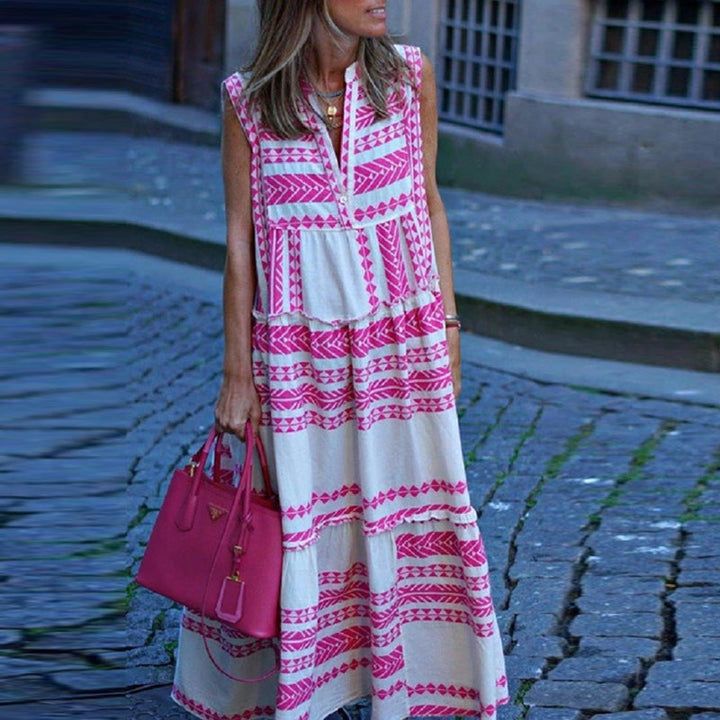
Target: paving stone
697, 620
618, 647
107, 709
524, 668
600, 669
109, 585
535, 624
587, 696
90, 638
695, 648
607, 584
680, 695
528, 568
629, 549
156, 704
540, 713
34, 610
32, 443
504, 712
103, 507
533, 646
9, 637
148, 655
172, 617
613, 565
700, 543
649, 625
629, 603
535, 596
39, 550
691, 670
695, 564
115, 679
32, 688
17, 666
706, 716
706, 595
702, 578
652, 714
146, 603
622, 525
552, 552
86, 567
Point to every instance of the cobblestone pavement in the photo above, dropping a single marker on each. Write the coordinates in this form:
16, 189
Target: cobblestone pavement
600, 512
591, 248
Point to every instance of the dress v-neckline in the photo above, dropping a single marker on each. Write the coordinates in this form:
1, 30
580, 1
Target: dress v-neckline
340, 162
335, 159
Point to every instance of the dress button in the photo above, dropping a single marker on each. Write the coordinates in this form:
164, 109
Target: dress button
343, 199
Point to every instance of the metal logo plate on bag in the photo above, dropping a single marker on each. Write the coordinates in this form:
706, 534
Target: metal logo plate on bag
216, 512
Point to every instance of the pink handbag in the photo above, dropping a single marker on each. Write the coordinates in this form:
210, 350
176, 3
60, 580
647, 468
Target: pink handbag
217, 548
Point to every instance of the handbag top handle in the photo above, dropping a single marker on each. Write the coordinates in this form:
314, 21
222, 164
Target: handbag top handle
199, 459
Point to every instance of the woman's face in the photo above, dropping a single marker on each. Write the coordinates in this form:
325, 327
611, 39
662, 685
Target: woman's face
362, 18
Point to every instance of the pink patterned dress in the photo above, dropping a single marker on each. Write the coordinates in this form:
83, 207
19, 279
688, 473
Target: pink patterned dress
385, 586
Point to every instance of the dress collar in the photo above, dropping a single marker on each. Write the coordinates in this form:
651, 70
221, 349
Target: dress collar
352, 74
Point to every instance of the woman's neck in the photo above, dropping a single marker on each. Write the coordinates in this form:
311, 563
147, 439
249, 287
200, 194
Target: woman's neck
328, 59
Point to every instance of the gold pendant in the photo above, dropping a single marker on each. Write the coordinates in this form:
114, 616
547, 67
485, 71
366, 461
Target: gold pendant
332, 111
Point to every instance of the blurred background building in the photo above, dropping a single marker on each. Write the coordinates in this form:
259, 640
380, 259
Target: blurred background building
170, 50
611, 99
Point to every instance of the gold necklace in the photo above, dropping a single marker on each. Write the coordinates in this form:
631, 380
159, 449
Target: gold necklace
333, 113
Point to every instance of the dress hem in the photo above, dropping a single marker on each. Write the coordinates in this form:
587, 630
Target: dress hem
208, 714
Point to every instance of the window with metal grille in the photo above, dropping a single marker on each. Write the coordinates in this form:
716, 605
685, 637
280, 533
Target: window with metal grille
658, 51
479, 60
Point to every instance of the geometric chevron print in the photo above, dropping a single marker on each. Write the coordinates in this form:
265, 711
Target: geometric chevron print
385, 587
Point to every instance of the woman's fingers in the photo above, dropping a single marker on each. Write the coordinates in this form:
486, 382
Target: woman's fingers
255, 417
236, 405
233, 425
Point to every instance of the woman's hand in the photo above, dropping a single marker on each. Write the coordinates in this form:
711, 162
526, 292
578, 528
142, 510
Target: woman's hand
237, 403
453, 343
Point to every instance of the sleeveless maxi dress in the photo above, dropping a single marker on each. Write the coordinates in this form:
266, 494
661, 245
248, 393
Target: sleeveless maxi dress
385, 588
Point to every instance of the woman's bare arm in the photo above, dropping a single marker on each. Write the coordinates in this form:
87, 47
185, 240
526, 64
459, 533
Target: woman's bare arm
438, 217
238, 399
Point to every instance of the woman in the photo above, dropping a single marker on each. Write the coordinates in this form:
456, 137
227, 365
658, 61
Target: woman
343, 349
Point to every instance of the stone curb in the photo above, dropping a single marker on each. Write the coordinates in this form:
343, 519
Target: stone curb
615, 332
81, 110
674, 334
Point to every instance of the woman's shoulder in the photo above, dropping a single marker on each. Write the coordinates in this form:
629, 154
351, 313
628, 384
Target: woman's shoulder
415, 59
236, 80
232, 89
235, 86
409, 53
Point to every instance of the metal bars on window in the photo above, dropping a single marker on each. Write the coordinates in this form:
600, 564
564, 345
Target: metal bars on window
478, 62
658, 51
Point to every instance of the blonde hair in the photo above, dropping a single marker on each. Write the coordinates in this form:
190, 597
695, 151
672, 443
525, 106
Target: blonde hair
279, 65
